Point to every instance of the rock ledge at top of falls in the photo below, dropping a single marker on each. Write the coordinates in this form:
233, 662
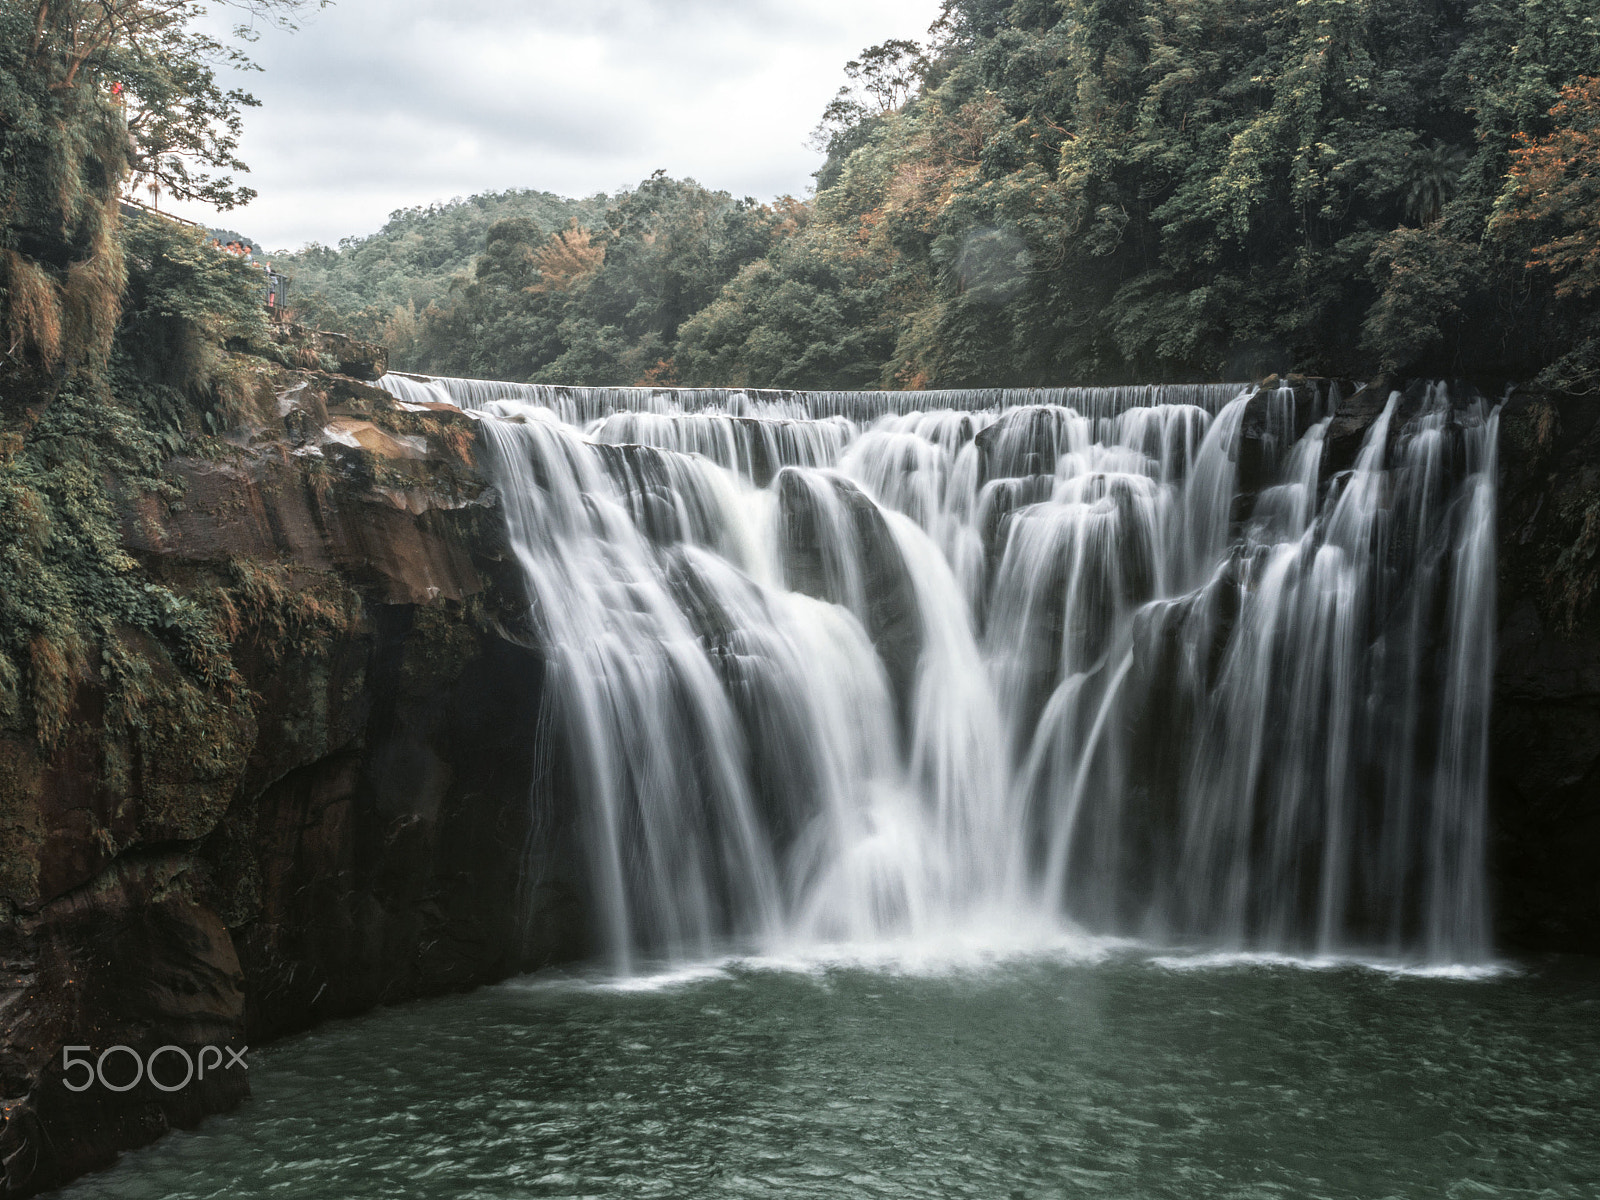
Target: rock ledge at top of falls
355, 831
335, 490
318, 349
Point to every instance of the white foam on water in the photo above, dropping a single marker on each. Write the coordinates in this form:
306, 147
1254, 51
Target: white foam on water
1223, 960
979, 949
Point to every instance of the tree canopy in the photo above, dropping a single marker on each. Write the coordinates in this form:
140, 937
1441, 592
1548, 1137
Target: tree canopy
1055, 191
523, 285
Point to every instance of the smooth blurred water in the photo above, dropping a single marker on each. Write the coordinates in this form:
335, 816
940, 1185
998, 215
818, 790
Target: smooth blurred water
1100, 1070
830, 666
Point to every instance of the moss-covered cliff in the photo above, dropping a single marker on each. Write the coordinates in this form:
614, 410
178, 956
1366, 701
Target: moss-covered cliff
338, 811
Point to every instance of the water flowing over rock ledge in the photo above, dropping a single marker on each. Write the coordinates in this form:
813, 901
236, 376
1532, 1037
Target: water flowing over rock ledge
373, 840
1161, 664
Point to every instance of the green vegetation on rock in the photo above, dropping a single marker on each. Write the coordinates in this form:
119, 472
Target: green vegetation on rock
111, 361
127, 342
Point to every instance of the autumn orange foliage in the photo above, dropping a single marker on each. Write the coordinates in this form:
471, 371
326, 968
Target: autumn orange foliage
1557, 187
663, 374
568, 258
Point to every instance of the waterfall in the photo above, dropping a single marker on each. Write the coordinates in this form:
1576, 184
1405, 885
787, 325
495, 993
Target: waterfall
846, 666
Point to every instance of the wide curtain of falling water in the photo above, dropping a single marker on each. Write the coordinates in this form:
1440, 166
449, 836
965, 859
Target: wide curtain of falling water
1147, 661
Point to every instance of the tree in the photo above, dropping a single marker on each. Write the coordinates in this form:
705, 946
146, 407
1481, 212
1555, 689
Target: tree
1549, 219
882, 80
1554, 187
889, 73
153, 65
1432, 180
93, 93
568, 258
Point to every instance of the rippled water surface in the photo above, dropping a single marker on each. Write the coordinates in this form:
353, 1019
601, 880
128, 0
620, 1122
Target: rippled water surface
1119, 1076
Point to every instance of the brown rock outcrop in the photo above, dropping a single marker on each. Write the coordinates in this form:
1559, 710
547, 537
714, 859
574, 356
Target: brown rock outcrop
356, 829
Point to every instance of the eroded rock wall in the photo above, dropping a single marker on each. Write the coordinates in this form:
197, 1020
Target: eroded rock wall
1545, 739
378, 819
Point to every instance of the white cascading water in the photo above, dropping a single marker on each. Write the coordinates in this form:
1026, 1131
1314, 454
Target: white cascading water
854, 666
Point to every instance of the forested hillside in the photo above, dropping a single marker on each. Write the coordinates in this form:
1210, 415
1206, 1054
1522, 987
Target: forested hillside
409, 263
1086, 190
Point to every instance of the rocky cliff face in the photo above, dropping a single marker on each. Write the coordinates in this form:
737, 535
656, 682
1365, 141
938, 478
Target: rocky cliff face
1545, 740
370, 824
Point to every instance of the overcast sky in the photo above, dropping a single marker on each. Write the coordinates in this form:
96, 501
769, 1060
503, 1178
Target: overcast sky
376, 105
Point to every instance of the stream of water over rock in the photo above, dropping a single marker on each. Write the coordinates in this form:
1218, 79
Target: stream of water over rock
845, 667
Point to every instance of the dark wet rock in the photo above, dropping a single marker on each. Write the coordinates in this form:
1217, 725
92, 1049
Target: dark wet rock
1354, 417
1001, 499
1023, 442
666, 505
1545, 735
762, 466
787, 793
1275, 418
1163, 707
360, 830
403, 862
890, 615
317, 349
135, 958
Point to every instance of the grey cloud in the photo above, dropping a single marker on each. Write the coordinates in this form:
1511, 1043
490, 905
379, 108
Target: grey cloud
610, 16
378, 105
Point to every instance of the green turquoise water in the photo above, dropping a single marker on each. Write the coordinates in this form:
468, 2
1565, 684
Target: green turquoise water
1116, 1075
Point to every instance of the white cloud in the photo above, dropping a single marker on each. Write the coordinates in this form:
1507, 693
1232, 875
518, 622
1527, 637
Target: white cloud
381, 104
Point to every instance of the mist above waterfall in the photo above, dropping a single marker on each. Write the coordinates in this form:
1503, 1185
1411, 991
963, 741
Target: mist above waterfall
843, 667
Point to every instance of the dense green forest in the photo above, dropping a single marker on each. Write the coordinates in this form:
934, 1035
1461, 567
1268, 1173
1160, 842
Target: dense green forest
118, 332
1074, 190
410, 262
